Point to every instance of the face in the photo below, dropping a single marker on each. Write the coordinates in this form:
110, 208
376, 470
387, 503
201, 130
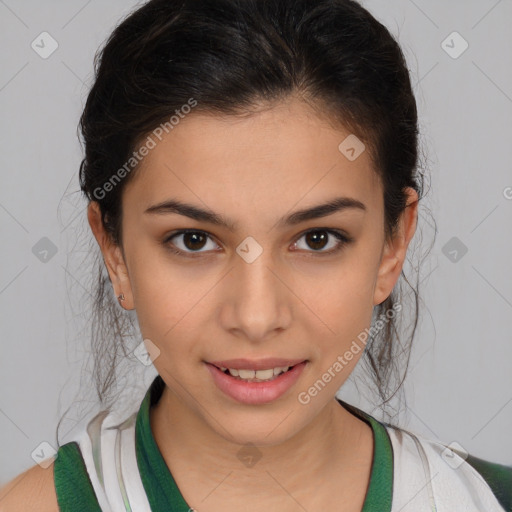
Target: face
251, 284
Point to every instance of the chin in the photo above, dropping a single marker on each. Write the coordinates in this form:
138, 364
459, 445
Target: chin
260, 428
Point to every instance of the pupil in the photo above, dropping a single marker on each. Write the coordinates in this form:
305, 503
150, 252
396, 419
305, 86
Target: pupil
194, 237
316, 238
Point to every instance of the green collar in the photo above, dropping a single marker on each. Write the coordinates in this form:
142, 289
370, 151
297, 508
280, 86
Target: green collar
163, 493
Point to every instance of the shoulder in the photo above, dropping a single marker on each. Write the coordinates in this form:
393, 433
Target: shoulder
33, 489
497, 476
62, 484
447, 474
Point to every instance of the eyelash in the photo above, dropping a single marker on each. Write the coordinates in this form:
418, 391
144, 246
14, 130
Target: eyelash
341, 237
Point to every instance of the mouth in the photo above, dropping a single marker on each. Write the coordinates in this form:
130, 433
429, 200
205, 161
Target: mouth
264, 384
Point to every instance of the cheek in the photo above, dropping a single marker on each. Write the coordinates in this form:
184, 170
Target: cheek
159, 294
345, 296
344, 306
336, 354
172, 304
349, 321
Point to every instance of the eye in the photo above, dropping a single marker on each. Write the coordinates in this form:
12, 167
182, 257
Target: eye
190, 243
318, 239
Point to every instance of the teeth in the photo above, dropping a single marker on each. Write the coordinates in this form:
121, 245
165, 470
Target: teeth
259, 374
264, 374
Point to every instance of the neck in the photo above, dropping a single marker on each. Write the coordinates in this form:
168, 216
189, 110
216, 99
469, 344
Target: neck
335, 442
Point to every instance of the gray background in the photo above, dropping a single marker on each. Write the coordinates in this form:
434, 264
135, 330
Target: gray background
459, 385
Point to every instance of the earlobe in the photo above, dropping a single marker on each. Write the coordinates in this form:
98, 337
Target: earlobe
122, 285
395, 250
112, 257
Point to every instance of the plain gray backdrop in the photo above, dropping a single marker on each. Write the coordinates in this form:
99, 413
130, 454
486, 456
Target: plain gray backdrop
459, 386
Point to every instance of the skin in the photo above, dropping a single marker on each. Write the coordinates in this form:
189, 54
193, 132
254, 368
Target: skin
291, 302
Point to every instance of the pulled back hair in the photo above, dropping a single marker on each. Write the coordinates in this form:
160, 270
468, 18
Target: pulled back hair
237, 57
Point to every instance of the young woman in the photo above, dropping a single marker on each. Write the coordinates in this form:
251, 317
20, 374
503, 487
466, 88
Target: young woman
252, 176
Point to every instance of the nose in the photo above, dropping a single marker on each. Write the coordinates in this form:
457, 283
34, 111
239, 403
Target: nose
258, 303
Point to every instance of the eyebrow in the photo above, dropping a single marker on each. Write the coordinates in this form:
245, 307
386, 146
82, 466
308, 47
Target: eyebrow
194, 212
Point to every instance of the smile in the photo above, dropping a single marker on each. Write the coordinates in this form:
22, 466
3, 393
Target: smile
255, 386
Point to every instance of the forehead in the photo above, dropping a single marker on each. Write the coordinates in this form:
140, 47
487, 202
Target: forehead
263, 164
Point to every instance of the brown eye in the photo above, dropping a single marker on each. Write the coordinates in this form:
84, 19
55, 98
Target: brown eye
318, 239
191, 242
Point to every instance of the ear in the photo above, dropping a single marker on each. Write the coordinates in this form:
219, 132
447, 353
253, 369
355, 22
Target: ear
395, 250
112, 256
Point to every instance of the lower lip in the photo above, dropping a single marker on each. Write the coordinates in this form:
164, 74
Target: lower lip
255, 392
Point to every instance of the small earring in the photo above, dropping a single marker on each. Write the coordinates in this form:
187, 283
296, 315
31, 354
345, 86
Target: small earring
120, 297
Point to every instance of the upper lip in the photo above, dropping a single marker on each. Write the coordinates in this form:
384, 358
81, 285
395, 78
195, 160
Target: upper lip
259, 364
